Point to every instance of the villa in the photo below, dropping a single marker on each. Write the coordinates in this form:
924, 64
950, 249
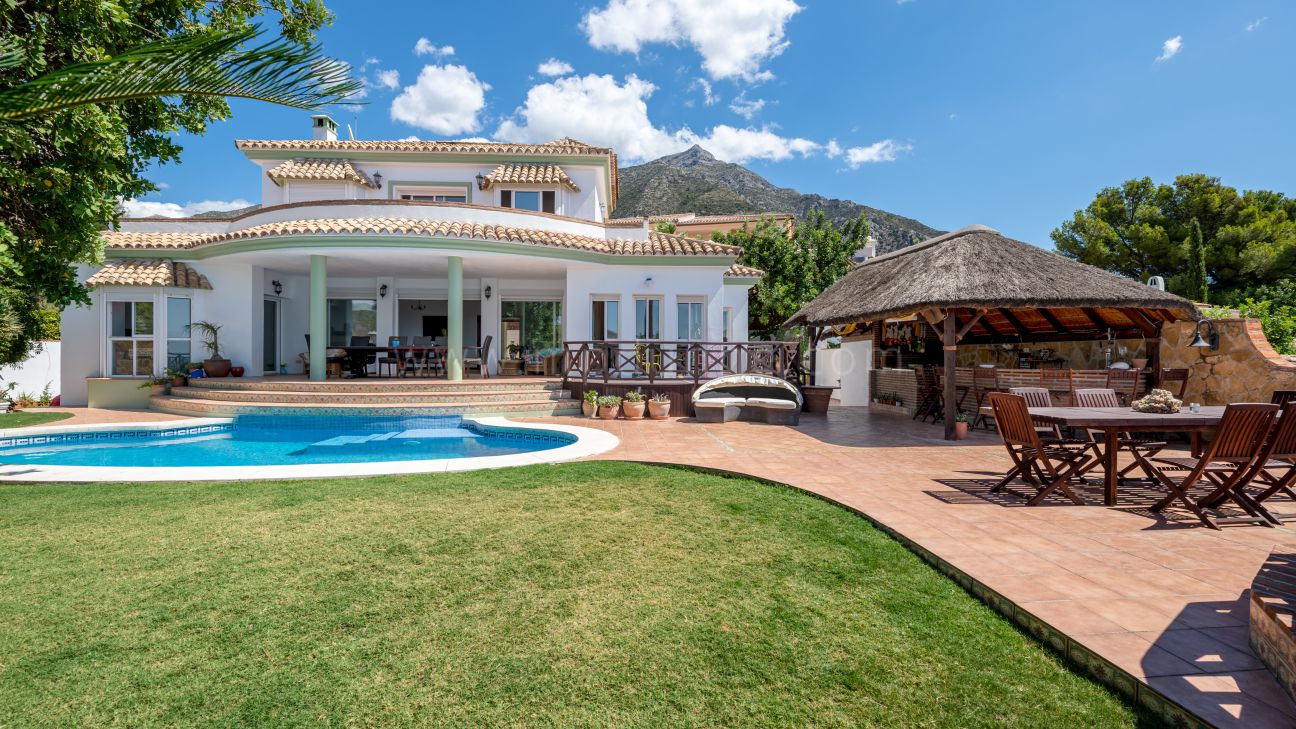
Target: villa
363, 241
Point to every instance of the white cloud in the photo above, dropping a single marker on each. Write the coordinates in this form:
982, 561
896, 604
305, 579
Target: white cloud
1170, 48
832, 149
1256, 23
554, 67
410, 138
709, 96
150, 209
600, 110
746, 108
444, 100
425, 47
884, 151
734, 37
389, 79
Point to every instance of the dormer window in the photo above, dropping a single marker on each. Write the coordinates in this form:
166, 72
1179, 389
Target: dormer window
544, 201
432, 194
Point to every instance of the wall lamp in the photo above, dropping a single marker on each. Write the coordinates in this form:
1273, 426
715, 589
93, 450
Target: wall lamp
648, 282
278, 287
382, 291
1211, 339
377, 178
488, 293
481, 181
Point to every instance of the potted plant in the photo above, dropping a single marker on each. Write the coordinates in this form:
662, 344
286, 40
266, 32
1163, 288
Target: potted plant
195, 370
215, 365
659, 406
283, 368
608, 407
178, 377
156, 385
633, 405
961, 420
589, 403
512, 362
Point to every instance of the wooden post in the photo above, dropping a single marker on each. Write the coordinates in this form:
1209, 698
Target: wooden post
1154, 356
949, 341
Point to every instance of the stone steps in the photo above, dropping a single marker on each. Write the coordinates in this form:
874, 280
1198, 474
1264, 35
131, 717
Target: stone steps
374, 385
201, 407
413, 395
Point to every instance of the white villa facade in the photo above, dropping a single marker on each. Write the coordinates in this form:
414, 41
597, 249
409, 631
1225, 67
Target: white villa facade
456, 241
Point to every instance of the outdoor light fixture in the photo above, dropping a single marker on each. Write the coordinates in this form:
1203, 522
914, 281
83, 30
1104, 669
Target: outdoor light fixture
488, 293
382, 291
648, 282
377, 177
1211, 339
481, 181
278, 287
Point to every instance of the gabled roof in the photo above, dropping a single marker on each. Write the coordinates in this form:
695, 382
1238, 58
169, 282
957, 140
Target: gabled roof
658, 244
319, 169
740, 271
564, 146
149, 273
529, 174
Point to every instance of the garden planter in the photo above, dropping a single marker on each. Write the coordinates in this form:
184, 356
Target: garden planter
178, 381
633, 410
588, 409
608, 413
658, 410
237, 371
157, 389
817, 398
216, 367
960, 431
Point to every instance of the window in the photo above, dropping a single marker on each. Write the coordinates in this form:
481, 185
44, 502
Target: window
689, 316
351, 318
532, 325
540, 200
179, 345
604, 321
647, 318
726, 324
432, 194
130, 338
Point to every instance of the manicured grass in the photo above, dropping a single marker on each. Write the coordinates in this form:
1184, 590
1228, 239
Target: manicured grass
597, 594
29, 418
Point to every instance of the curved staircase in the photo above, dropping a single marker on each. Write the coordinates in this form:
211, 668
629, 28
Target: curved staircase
242, 396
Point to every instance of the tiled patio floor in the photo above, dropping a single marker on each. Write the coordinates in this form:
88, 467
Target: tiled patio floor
1163, 599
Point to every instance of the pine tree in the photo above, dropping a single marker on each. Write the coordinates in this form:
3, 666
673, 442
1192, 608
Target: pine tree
1197, 290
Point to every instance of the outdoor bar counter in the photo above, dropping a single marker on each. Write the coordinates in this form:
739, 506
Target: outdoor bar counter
903, 382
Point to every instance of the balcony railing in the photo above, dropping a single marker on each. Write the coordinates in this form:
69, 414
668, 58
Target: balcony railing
677, 361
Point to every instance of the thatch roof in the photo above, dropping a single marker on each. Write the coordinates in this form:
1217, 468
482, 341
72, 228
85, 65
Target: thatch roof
977, 268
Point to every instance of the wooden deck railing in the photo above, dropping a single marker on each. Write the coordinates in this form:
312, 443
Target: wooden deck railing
677, 361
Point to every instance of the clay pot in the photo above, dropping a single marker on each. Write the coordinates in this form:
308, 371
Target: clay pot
216, 367
588, 409
817, 398
960, 431
177, 381
633, 410
658, 410
608, 413
157, 389
237, 371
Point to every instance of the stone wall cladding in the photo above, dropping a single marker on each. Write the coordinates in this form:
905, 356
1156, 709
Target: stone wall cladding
1244, 369
1273, 605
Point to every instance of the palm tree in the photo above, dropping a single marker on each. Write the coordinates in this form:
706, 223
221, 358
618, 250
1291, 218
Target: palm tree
215, 63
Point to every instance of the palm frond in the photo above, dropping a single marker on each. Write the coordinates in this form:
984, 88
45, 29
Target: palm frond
212, 64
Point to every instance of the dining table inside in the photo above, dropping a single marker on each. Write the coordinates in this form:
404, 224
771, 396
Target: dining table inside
358, 355
1112, 422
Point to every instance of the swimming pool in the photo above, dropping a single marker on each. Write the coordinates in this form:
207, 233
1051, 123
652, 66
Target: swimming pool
252, 446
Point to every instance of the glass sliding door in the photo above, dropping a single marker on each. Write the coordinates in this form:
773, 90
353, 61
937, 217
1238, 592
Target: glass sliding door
270, 336
350, 320
179, 345
531, 326
605, 320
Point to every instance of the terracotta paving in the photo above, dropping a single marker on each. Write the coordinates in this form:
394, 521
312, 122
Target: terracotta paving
1163, 598
95, 416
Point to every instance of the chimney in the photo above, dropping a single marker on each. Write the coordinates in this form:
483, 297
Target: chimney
323, 127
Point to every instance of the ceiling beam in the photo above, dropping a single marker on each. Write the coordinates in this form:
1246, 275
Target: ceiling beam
1141, 321
1022, 331
975, 318
1052, 320
1097, 319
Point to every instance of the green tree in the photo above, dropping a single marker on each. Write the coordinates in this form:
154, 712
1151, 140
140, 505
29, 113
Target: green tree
1197, 287
797, 268
63, 173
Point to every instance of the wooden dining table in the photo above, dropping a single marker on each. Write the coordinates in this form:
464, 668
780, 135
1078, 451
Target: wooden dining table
358, 355
1114, 421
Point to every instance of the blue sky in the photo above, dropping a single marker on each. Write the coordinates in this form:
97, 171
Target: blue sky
1009, 114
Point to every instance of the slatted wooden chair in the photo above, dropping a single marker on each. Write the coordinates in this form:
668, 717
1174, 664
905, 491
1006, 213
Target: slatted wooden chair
1047, 465
1175, 379
984, 382
1038, 397
1223, 468
928, 399
1126, 382
1140, 448
1057, 381
1282, 397
1275, 470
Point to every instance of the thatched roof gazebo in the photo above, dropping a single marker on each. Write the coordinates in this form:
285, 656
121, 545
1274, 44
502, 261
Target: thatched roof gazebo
977, 286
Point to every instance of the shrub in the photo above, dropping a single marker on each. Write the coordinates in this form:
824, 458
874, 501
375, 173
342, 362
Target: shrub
48, 327
634, 396
1277, 320
609, 401
591, 397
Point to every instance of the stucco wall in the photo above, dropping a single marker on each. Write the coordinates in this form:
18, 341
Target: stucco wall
1244, 369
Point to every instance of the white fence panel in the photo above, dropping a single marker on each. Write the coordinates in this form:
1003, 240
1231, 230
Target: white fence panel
39, 371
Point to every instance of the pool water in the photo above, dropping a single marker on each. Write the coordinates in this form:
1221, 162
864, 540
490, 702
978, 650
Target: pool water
274, 440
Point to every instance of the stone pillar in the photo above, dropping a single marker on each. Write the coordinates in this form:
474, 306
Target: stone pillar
318, 317
454, 323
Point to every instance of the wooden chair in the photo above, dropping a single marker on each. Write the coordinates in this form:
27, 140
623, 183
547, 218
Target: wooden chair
984, 381
391, 359
1224, 467
938, 387
1038, 397
1275, 470
1046, 465
1175, 380
1058, 381
928, 398
478, 357
1126, 382
418, 360
1282, 397
1099, 397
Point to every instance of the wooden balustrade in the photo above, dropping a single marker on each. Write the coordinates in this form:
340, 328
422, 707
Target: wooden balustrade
677, 361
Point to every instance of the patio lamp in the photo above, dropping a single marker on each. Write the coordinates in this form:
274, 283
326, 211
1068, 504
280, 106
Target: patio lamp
1211, 340
481, 181
382, 291
278, 287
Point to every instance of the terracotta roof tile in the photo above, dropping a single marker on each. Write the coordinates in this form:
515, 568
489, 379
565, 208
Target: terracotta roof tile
528, 174
149, 273
564, 146
129, 239
740, 271
319, 169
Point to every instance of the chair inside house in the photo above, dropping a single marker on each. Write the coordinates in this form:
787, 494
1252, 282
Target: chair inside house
478, 357
1045, 465
1038, 397
1127, 383
1140, 448
1275, 470
419, 358
1175, 380
334, 360
1223, 469
1282, 397
391, 359
1057, 381
361, 340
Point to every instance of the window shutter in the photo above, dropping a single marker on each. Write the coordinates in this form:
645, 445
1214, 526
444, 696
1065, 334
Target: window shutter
506, 198
547, 201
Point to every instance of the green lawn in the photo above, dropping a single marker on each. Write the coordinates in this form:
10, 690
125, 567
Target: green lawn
598, 594
28, 418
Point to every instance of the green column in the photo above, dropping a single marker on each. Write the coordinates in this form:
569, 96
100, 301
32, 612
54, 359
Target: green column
318, 316
454, 327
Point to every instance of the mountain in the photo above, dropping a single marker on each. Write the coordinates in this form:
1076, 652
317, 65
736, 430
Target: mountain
693, 181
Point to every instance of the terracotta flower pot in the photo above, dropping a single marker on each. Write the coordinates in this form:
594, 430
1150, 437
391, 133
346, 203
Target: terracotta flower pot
588, 409
157, 389
658, 410
633, 410
216, 367
960, 431
177, 381
608, 413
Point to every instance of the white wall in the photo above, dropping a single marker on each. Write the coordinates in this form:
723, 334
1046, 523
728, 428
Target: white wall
736, 299
40, 370
848, 369
585, 282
